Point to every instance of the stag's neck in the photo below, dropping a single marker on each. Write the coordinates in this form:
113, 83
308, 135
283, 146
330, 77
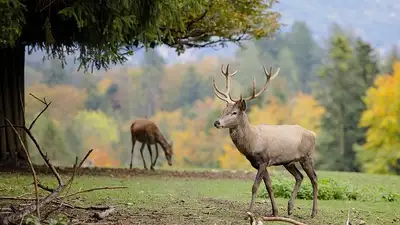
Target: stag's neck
244, 136
161, 140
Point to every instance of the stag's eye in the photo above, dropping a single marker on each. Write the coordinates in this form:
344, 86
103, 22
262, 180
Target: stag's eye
234, 113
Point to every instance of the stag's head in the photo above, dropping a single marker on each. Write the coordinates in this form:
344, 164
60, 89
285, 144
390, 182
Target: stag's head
233, 113
168, 153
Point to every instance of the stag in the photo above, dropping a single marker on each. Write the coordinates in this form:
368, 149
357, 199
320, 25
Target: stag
147, 132
267, 145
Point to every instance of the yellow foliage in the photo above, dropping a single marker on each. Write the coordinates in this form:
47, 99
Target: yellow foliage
97, 130
274, 113
382, 147
233, 159
306, 112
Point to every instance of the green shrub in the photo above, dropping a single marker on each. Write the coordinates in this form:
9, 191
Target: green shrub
328, 189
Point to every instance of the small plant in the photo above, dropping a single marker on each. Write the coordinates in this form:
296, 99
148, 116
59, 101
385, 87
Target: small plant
31, 220
328, 189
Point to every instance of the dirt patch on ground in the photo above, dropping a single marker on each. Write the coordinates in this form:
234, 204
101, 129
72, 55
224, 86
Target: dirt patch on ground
126, 173
206, 211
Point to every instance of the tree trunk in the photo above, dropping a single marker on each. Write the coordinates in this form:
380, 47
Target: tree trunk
12, 103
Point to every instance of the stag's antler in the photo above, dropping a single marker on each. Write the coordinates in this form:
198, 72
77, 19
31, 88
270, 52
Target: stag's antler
225, 96
269, 78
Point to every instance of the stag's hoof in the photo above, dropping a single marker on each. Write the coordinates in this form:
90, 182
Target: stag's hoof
145, 168
290, 210
313, 214
152, 168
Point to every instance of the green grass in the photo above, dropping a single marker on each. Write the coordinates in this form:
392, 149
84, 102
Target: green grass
172, 200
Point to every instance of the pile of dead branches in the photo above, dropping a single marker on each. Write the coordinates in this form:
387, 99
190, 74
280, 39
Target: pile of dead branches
16, 213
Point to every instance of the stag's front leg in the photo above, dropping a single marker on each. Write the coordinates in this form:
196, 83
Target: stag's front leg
155, 160
267, 181
257, 181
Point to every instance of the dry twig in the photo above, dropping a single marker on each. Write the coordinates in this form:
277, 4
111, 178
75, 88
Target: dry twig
35, 180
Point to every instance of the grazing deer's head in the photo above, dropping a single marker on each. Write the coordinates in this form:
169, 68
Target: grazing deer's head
168, 153
233, 113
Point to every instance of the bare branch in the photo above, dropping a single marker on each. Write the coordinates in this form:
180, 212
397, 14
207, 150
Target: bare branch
35, 180
94, 189
46, 188
37, 117
40, 100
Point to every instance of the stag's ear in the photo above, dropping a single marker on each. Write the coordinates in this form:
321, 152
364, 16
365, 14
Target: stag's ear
242, 105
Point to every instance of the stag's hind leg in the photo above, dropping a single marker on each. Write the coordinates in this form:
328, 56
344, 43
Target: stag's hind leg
308, 167
299, 178
141, 154
151, 156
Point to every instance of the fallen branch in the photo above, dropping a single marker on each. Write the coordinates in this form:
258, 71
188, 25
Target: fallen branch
104, 214
274, 218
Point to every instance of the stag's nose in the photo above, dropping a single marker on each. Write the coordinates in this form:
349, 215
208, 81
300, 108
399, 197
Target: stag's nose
217, 123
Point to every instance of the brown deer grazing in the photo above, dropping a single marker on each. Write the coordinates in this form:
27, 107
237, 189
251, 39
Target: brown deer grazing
268, 145
147, 132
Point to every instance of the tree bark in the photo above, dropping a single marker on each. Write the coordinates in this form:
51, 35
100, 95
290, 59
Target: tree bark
12, 102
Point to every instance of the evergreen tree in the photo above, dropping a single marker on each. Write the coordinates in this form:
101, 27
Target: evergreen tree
346, 79
390, 60
334, 78
191, 87
306, 54
54, 74
108, 32
53, 144
153, 72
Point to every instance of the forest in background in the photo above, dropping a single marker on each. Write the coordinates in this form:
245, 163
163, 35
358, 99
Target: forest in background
343, 91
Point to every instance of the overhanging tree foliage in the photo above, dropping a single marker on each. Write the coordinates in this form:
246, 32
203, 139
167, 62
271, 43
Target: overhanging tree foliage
106, 31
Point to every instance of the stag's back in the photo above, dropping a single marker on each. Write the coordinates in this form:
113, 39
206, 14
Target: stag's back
285, 142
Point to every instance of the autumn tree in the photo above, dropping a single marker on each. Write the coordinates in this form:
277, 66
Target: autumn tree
106, 32
381, 152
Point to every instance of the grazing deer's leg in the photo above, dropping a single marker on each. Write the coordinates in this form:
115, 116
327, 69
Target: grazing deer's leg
256, 184
155, 160
151, 156
267, 182
299, 178
308, 167
133, 146
141, 153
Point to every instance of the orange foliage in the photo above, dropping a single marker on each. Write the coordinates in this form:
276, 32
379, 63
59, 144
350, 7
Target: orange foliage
103, 85
66, 101
102, 158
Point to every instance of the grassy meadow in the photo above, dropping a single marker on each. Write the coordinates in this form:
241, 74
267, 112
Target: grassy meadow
165, 199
